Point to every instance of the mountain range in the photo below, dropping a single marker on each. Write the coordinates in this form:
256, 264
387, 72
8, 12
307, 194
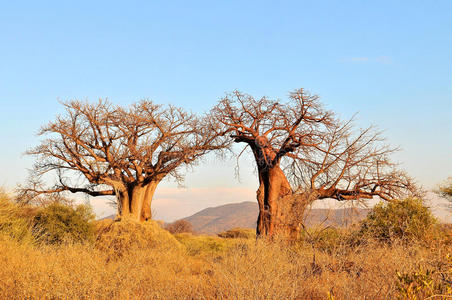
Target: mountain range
217, 219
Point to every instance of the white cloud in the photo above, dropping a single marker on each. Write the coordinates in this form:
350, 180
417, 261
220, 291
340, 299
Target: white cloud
383, 59
365, 59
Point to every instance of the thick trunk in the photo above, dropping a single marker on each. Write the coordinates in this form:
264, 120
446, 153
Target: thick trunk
146, 213
135, 201
123, 202
273, 197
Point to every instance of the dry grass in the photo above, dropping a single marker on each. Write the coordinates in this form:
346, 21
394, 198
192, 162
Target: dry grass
13, 223
119, 239
82, 272
135, 261
242, 269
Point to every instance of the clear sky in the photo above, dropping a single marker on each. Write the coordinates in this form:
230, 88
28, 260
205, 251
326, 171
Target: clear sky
388, 60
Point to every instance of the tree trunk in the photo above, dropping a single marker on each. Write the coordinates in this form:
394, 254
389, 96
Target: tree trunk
135, 201
146, 213
273, 198
123, 202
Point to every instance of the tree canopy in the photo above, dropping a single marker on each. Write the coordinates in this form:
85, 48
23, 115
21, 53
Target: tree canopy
300, 147
122, 151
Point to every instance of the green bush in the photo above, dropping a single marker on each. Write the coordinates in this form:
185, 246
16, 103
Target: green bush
13, 222
202, 244
239, 233
406, 220
57, 223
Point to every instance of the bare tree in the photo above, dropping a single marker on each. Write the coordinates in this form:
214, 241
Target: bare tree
322, 157
120, 151
180, 226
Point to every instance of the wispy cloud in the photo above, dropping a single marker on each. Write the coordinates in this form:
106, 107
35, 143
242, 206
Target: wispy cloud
357, 59
366, 59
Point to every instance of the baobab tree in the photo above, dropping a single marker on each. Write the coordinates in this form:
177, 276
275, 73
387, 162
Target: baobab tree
122, 152
303, 153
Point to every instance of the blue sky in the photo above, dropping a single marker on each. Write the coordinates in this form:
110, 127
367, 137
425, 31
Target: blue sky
388, 60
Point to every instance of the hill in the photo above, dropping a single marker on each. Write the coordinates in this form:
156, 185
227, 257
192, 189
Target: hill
213, 220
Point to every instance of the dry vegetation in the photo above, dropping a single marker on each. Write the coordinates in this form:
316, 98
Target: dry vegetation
134, 261
242, 270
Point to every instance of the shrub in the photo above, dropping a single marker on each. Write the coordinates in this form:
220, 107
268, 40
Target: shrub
238, 233
57, 223
179, 226
444, 234
406, 220
325, 239
119, 238
202, 244
445, 189
426, 283
13, 223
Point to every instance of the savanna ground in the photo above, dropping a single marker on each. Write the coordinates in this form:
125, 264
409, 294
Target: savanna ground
127, 260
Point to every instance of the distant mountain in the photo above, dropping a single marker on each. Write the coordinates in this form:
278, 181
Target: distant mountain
217, 219
220, 218
213, 220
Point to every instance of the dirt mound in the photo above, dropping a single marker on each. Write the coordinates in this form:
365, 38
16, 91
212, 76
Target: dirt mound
119, 238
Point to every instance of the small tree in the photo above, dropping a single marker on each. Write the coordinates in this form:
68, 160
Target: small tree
179, 226
119, 151
322, 157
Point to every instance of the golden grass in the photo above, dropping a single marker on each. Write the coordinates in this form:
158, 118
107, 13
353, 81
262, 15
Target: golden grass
13, 223
118, 239
82, 272
241, 269
129, 260
203, 245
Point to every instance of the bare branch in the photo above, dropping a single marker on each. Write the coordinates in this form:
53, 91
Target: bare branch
120, 147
